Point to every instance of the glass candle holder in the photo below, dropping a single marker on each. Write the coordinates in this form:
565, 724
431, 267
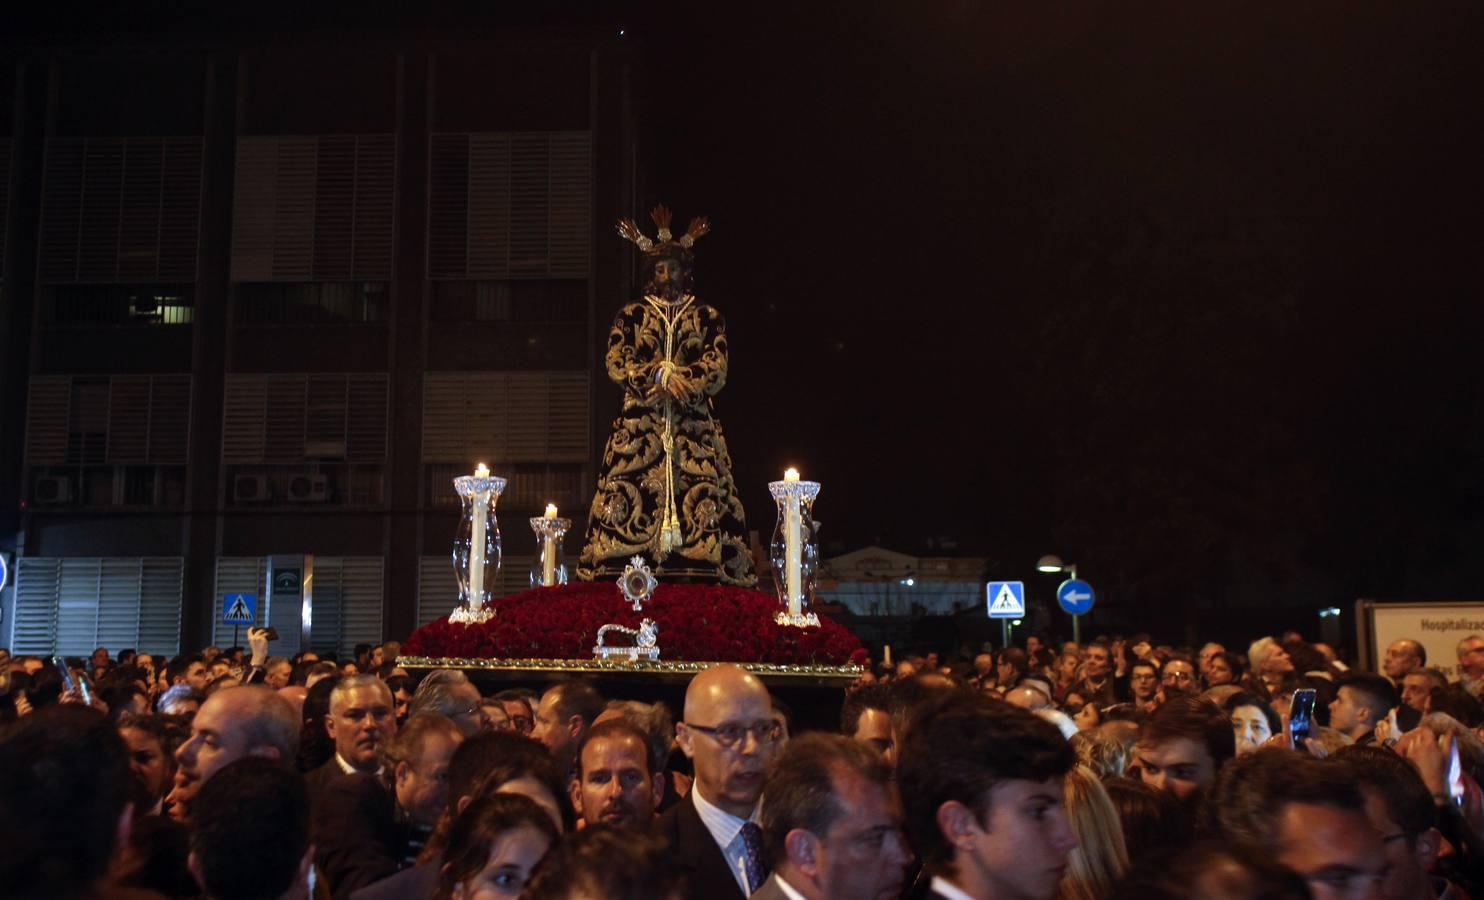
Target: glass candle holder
795, 550
549, 568
476, 547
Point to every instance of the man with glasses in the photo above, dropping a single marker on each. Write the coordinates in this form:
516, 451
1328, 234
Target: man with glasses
1143, 684
449, 692
731, 737
1179, 677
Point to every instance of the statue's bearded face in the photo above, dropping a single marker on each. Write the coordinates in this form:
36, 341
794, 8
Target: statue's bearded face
668, 282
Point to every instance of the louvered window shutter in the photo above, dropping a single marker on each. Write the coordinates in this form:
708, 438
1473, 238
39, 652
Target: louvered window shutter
87, 421
510, 205
507, 417
48, 407
69, 606
37, 582
169, 419
128, 419
284, 419
148, 419
366, 418
77, 606
437, 588
121, 210
244, 419
314, 208
161, 592
347, 603
238, 575
287, 418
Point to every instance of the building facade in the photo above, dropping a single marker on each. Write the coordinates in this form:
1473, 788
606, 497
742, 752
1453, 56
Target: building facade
265, 299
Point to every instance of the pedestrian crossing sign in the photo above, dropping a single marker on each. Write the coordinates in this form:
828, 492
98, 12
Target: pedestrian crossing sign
239, 609
1006, 599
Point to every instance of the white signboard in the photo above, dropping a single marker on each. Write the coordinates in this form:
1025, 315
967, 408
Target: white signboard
1436, 626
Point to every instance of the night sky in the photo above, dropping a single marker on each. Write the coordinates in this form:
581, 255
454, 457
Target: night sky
1188, 294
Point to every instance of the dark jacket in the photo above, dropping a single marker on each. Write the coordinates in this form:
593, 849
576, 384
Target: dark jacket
696, 853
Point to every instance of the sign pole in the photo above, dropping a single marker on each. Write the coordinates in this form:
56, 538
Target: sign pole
1077, 630
1004, 634
235, 642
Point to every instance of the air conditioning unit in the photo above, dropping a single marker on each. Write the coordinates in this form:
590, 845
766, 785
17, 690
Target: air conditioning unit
53, 490
250, 489
309, 489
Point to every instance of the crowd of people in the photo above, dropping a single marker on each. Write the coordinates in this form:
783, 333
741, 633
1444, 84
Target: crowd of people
1121, 768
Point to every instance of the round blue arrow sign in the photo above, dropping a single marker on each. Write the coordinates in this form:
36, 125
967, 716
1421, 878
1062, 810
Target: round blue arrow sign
1075, 596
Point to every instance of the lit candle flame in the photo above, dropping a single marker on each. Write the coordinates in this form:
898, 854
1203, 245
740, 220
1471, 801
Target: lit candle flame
481, 471
791, 475
551, 511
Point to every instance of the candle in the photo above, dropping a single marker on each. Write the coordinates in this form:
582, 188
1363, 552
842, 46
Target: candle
476, 543
548, 550
792, 546
886, 657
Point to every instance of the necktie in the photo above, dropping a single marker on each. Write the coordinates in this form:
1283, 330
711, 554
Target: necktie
757, 866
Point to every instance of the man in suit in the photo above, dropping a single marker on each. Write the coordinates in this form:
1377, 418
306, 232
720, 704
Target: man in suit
981, 783
362, 718
832, 825
731, 737
364, 832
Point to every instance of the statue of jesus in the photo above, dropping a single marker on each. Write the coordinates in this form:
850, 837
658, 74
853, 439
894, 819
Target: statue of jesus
666, 490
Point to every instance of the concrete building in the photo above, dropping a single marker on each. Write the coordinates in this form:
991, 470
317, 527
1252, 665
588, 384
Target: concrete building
265, 296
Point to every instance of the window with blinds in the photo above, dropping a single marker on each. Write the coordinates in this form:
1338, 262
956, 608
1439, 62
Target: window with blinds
314, 208
505, 417
510, 205
438, 590
70, 606
120, 209
347, 601
119, 419
290, 418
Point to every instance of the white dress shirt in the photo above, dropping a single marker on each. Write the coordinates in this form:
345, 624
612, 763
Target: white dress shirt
726, 830
946, 888
788, 889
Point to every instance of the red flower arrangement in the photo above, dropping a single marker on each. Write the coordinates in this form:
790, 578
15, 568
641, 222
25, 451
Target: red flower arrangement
697, 622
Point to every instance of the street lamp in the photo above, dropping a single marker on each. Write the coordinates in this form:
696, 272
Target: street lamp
1052, 564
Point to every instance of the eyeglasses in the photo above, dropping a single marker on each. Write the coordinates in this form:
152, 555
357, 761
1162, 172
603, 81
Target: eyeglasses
730, 735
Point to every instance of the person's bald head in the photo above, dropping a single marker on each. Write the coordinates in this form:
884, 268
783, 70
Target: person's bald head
720, 686
730, 735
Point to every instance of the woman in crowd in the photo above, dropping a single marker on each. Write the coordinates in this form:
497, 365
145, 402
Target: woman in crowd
1224, 668
1100, 858
492, 847
1253, 721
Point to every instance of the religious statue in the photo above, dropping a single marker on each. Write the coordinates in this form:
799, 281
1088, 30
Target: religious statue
666, 490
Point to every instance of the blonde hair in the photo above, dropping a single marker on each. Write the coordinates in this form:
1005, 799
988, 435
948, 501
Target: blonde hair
1106, 757
1100, 858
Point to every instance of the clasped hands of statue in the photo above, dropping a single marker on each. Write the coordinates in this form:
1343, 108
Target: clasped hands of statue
674, 384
